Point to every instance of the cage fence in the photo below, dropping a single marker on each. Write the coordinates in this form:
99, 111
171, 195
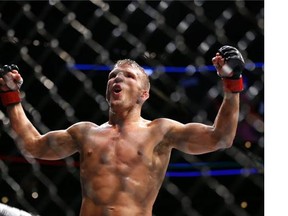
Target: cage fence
65, 50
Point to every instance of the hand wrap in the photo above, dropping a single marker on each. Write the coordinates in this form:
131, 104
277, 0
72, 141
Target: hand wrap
10, 97
231, 71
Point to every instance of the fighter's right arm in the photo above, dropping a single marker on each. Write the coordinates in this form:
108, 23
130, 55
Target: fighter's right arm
51, 146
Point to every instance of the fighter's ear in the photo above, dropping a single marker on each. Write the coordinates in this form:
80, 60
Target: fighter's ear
145, 95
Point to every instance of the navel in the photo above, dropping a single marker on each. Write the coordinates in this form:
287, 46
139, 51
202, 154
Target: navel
90, 151
139, 152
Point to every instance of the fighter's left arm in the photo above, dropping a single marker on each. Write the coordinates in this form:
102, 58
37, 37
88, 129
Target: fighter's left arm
197, 138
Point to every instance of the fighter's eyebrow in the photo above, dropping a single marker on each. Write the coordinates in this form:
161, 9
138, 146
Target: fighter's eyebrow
114, 71
117, 70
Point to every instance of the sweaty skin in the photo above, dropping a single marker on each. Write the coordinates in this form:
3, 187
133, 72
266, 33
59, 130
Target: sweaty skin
123, 161
122, 168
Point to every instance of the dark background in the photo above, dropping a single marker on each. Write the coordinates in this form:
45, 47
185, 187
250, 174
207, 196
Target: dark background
47, 38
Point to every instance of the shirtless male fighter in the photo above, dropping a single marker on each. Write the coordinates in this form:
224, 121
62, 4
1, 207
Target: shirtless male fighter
123, 161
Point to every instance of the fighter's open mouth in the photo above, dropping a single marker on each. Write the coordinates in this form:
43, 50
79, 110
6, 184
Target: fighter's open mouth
117, 89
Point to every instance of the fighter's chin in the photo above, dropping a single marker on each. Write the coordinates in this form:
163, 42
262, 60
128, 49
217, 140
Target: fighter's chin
116, 104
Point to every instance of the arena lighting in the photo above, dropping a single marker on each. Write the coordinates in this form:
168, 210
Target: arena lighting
40, 38
227, 172
167, 69
183, 174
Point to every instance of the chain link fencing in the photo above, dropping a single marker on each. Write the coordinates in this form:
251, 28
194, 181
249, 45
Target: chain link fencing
64, 50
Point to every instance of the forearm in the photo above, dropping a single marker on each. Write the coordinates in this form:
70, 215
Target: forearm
226, 121
229, 64
52, 145
26, 133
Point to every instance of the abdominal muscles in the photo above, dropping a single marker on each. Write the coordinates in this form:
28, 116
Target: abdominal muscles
117, 181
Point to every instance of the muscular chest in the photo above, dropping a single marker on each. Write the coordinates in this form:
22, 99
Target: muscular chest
110, 149
124, 149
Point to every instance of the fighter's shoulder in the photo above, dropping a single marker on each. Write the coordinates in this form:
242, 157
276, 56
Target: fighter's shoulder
164, 123
80, 127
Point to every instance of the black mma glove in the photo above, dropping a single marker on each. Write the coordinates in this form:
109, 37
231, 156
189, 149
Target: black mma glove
11, 96
231, 71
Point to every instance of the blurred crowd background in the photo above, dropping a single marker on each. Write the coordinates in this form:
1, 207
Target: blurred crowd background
65, 49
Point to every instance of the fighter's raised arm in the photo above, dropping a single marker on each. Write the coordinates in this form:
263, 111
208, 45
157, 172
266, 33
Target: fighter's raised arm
123, 161
53, 145
197, 138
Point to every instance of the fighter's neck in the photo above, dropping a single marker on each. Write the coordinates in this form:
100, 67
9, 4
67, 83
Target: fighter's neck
124, 117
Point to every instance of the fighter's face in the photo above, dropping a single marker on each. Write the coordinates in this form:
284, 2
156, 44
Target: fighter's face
125, 86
